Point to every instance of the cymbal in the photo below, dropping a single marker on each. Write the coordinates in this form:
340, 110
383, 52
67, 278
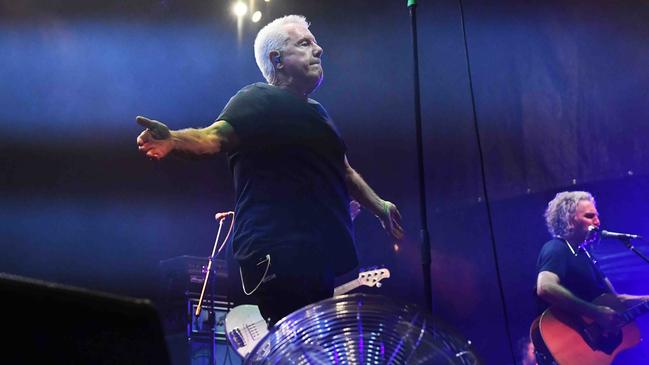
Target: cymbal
361, 329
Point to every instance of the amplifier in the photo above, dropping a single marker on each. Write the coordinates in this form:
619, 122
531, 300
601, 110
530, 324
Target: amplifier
190, 341
187, 273
202, 326
179, 317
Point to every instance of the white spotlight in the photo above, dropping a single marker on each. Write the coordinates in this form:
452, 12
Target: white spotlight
240, 9
256, 16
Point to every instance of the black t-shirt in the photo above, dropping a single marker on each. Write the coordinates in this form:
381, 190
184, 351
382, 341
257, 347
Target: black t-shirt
576, 273
289, 177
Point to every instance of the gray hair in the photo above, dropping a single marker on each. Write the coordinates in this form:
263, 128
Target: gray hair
273, 37
562, 209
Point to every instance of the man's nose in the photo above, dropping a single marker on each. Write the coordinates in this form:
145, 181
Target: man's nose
318, 51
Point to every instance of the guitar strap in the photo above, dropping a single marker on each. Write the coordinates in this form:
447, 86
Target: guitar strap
596, 268
593, 262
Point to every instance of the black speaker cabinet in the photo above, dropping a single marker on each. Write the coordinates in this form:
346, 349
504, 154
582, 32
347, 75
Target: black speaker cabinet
196, 351
51, 323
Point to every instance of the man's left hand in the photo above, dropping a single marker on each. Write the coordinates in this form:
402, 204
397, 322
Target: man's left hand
630, 300
391, 220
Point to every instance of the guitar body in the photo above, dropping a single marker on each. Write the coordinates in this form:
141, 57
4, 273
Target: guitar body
244, 327
576, 340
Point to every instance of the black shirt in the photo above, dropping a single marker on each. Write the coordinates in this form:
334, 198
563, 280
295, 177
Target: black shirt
576, 273
289, 177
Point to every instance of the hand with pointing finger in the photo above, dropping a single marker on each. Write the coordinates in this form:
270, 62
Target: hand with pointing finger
155, 141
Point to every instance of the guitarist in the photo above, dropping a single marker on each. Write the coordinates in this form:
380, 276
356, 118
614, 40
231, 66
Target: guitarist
567, 279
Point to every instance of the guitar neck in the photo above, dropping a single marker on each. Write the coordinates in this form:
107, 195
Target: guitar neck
636, 311
347, 287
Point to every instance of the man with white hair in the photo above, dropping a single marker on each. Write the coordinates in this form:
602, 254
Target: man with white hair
292, 180
567, 280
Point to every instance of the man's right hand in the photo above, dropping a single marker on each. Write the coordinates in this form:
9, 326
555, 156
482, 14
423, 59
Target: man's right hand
155, 141
608, 318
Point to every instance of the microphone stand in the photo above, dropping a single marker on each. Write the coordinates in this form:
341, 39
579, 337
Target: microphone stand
424, 235
629, 245
211, 313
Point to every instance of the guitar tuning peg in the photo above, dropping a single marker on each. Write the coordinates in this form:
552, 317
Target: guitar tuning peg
378, 285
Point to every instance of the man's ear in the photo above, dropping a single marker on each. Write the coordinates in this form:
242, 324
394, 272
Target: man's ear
275, 58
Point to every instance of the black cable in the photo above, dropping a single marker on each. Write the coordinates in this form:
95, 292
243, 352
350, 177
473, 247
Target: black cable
484, 183
424, 235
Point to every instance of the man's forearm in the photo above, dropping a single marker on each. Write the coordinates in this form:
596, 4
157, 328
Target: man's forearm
561, 297
209, 140
363, 193
194, 142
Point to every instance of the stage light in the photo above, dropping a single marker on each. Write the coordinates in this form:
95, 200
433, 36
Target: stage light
256, 16
240, 9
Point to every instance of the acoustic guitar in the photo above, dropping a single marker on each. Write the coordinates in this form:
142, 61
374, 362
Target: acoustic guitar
576, 340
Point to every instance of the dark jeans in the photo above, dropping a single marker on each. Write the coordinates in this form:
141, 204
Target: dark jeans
295, 279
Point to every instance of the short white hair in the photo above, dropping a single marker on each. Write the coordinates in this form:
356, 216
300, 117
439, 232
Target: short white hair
273, 37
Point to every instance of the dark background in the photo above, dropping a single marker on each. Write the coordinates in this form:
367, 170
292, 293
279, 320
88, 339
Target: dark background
556, 92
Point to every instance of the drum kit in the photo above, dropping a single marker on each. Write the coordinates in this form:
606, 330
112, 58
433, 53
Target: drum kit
361, 329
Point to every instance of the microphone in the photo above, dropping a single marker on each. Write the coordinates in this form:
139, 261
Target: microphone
608, 234
222, 215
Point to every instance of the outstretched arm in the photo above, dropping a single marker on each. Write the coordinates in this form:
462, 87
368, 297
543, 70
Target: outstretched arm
384, 210
157, 141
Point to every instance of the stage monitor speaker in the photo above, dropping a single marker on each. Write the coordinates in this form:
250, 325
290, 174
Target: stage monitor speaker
48, 322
